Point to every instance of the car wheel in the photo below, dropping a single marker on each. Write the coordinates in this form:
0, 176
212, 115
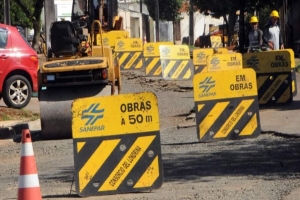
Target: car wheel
17, 92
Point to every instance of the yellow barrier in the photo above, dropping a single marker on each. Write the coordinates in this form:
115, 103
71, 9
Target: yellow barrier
116, 143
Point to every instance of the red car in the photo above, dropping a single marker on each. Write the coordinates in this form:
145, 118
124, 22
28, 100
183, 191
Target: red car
18, 68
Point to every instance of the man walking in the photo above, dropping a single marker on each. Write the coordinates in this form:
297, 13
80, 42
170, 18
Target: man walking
272, 33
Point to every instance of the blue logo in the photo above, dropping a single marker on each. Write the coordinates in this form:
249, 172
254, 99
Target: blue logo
215, 61
253, 62
207, 84
92, 114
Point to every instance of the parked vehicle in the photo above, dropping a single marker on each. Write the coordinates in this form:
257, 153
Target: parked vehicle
21, 30
18, 68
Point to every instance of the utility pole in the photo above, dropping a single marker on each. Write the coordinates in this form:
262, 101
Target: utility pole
101, 5
49, 14
191, 31
7, 12
241, 27
142, 17
157, 19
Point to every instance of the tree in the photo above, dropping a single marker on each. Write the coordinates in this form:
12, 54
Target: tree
26, 13
169, 10
18, 17
33, 10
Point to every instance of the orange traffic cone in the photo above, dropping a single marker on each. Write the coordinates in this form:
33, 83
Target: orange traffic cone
29, 186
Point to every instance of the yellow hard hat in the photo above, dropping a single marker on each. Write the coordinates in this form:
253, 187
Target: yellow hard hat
274, 13
253, 19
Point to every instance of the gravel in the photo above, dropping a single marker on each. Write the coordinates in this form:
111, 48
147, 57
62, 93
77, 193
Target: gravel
266, 167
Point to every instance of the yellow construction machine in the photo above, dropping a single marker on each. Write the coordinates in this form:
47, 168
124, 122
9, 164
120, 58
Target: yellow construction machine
78, 64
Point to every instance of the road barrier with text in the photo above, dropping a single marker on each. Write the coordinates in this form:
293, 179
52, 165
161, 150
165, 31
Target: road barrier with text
175, 62
199, 59
222, 62
274, 76
130, 53
226, 105
152, 62
109, 38
116, 143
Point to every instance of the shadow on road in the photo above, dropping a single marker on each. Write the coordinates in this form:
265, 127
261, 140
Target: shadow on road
275, 159
61, 196
295, 105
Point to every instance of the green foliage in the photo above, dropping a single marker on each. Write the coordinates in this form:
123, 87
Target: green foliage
25, 13
217, 7
264, 16
17, 14
168, 9
221, 8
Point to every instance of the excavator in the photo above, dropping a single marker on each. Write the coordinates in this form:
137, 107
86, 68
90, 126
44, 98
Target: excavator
78, 64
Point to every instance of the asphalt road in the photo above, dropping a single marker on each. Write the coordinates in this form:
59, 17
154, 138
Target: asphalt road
266, 167
280, 119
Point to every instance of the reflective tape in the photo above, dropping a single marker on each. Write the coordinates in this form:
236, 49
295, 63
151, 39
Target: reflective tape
29, 181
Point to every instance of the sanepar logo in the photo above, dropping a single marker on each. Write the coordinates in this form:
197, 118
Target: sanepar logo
201, 56
253, 62
150, 48
165, 51
206, 85
120, 44
215, 61
91, 115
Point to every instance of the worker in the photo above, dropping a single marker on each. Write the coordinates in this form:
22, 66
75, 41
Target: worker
255, 36
272, 35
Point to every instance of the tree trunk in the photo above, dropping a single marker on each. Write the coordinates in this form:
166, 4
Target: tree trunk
36, 35
37, 24
227, 30
174, 32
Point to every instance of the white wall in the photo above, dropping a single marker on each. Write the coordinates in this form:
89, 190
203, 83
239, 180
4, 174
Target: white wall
199, 21
128, 26
126, 20
138, 22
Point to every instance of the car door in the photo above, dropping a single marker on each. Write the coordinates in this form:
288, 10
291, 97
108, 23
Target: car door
5, 57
